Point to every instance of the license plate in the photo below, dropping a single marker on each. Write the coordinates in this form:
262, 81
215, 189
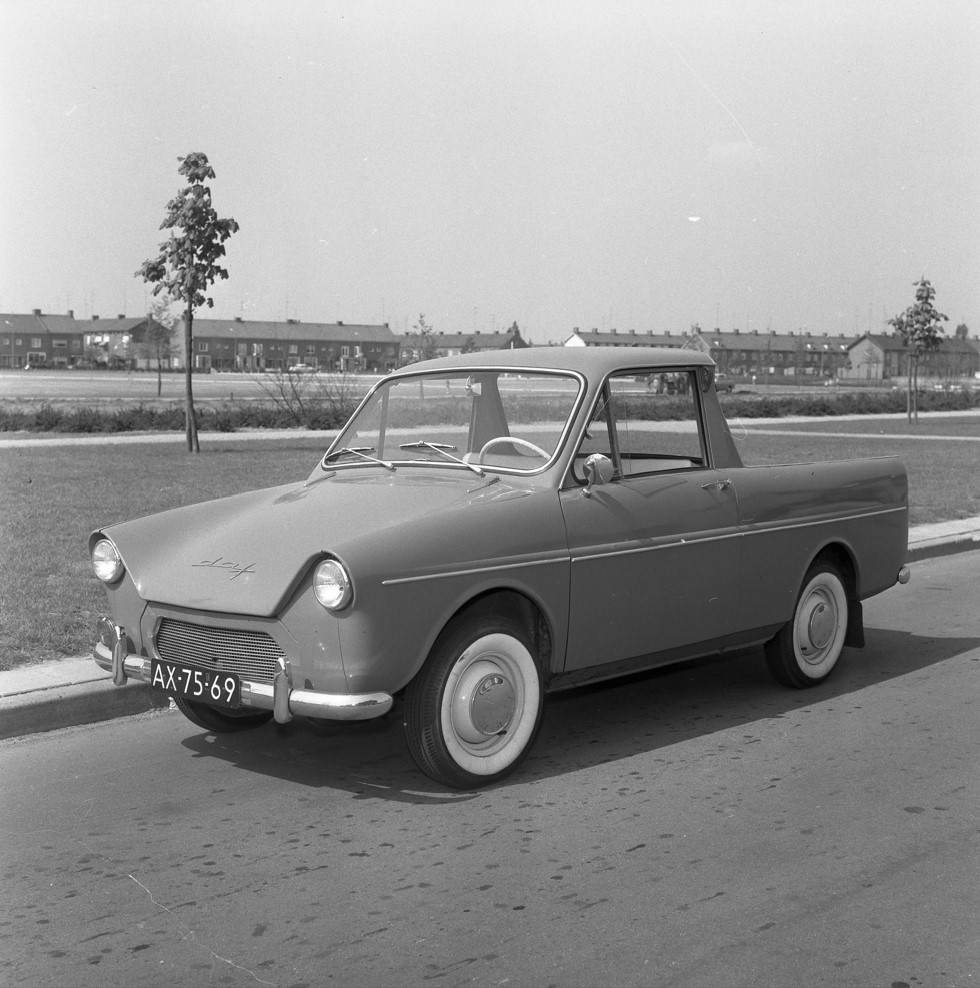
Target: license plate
220, 689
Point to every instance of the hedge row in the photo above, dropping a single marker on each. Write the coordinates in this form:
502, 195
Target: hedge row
155, 418
261, 415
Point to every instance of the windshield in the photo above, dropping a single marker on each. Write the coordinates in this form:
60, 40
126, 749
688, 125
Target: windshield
504, 421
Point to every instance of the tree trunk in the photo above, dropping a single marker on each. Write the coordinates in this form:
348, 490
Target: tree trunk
908, 397
915, 389
190, 419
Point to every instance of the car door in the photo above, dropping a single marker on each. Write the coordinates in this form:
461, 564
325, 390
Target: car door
655, 550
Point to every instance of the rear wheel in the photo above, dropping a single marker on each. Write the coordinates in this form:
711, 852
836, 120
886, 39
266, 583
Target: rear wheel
473, 711
221, 721
807, 648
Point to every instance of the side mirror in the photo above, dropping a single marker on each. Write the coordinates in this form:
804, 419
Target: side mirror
598, 470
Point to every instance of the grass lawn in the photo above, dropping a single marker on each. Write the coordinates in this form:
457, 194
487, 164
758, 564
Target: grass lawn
54, 496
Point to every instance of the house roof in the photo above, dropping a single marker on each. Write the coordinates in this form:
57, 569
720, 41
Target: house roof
594, 337
293, 329
949, 344
755, 341
56, 324
478, 341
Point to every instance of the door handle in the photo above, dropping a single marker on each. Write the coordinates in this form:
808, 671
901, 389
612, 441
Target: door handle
717, 485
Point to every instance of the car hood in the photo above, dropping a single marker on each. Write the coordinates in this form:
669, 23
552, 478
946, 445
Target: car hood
245, 554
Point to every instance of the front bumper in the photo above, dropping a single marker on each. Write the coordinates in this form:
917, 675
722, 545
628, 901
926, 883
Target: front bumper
111, 653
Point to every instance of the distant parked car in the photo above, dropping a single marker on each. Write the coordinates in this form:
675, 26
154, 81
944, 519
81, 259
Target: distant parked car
490, 527
301, 369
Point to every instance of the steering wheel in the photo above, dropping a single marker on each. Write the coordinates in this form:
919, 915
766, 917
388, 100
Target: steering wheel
497, 440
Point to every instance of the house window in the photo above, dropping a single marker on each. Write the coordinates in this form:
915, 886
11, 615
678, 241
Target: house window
35, 342
60, 344
203, 346
345, 351
294, 349
310, 349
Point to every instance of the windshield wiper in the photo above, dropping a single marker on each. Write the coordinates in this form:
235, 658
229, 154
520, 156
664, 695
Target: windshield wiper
443, 450
362, 452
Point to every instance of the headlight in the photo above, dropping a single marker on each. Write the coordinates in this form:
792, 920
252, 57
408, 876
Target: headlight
106, 561
332, 585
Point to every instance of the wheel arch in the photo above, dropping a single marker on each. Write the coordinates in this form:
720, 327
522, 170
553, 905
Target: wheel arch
516, 605
841, 557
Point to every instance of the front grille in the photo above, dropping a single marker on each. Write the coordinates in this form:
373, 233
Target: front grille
250, 654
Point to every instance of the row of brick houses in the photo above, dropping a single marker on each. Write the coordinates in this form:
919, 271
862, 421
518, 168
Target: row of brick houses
51, 340
868, 357
253, 345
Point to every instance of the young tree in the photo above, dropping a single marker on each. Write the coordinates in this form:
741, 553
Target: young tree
920, 331
188, 261
158, 343
427, 340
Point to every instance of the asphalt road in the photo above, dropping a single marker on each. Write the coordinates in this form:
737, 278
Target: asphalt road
698, 827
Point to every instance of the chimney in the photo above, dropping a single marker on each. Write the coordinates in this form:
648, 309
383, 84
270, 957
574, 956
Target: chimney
666, 333
340, 322
71, 313
122, 315
37, 312
238, 318
95, 318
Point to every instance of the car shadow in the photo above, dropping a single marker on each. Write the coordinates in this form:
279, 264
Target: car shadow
581, 728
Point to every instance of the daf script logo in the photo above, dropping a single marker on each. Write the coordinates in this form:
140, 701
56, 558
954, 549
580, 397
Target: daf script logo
234, 569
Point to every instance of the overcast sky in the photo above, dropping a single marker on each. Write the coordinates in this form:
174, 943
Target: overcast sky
781, 164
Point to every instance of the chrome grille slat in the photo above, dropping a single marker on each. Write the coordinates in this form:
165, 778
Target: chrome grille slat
250, 654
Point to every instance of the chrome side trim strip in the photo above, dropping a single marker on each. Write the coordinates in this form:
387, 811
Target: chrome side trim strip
809, 523
674, 543
475, 570
695, 539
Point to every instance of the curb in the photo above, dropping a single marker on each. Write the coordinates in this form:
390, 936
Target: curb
38, 709
943, 547
41, 710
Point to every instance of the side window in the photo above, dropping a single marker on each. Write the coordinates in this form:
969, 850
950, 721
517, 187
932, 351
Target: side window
646, 423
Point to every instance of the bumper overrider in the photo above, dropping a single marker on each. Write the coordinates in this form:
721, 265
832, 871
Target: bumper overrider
112, 654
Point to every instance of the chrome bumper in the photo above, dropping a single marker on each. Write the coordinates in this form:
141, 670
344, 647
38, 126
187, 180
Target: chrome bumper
285, 702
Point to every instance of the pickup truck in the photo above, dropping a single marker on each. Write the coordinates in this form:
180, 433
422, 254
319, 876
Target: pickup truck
489, 528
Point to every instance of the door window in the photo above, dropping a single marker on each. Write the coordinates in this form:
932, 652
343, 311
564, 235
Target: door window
645, 423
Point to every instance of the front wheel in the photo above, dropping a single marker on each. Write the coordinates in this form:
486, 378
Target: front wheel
473, 711
221, 721
806, 649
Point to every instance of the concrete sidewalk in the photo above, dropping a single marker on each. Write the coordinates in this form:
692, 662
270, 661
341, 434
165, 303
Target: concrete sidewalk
67, 692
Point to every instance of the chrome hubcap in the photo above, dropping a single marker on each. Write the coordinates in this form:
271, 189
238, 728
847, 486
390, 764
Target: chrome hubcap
484, 702
818, 625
